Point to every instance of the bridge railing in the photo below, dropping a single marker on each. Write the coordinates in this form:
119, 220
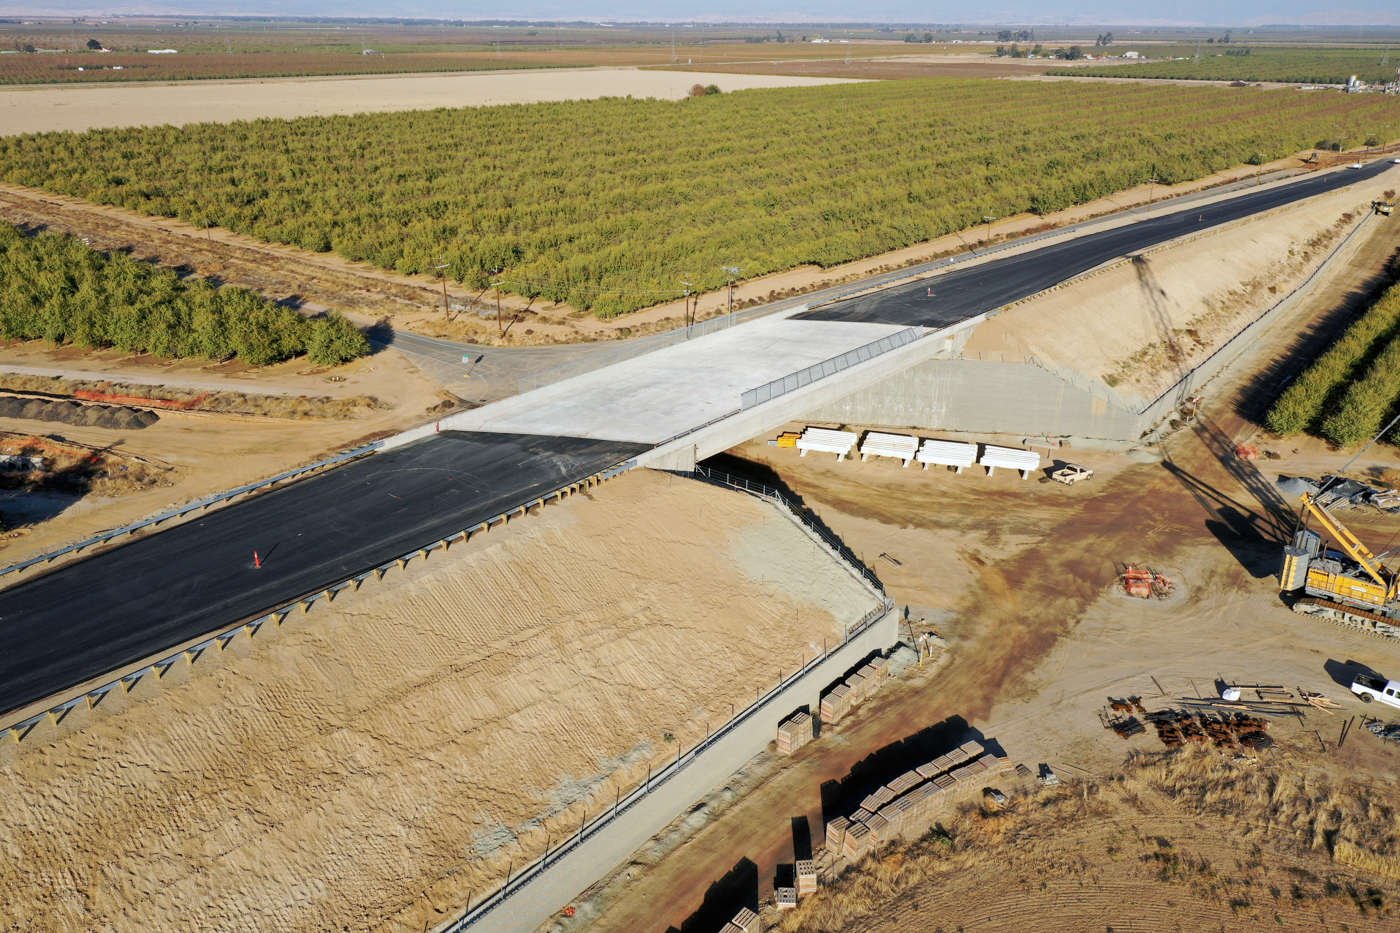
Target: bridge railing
805, 377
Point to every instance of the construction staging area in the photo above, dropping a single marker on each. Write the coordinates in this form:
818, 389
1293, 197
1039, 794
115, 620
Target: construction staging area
432, 745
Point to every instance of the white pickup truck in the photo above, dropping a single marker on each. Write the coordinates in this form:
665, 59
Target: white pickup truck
1373, 688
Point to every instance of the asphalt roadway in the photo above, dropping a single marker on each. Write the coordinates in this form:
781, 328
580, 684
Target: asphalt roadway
964, 293
119, 607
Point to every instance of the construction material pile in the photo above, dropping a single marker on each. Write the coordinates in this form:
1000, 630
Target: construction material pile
1226, 730
911, 802
793, 733
857, 688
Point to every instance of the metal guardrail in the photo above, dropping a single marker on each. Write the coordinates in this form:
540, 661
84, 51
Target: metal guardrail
305, 601
189, 507
588, 830
773, 495
831, 367
632, 350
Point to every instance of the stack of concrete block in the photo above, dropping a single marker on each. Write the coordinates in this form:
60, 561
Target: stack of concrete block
794, 733
879, 829
881, 665
806, 877
956, 757
971, 749
893, 815
877, 800
946, 781
857, 841
745, 921
836, 704
836, 834
785, 898
905, 783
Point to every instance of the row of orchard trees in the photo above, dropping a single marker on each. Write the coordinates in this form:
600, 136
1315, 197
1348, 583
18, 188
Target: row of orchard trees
55, 288
1353, 389
610, 204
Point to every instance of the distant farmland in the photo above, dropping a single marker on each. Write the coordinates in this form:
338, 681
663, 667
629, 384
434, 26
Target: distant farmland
609, 204
1242, 63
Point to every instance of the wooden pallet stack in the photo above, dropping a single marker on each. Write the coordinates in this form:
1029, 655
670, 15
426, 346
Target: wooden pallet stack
836, 703
794, 732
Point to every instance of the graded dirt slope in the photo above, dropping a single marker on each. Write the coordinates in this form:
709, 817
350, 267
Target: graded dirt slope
1141, 325
386, 756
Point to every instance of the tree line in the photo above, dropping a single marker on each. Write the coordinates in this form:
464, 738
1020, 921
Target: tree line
53, 287
612, 204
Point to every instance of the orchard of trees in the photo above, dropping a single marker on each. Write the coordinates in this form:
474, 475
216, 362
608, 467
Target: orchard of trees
55, 288
611, 204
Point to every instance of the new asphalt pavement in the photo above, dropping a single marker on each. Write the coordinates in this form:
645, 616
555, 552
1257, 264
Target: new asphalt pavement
121, 606
964, 293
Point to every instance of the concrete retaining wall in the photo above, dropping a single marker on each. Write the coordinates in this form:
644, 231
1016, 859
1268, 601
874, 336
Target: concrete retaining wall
526, 904
987, 397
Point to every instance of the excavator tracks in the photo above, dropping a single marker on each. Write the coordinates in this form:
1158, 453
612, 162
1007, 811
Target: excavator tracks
1369, 622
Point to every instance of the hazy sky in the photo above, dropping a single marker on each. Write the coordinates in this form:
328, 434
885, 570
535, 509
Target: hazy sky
1180, 12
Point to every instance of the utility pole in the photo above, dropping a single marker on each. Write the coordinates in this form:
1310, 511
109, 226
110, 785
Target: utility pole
989, 229
688, 286
1198, 51
1154, 180
446, 311
731, 271
497, 283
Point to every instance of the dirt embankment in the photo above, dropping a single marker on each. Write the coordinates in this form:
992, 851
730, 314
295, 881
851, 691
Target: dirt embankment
1143, 324
370, 765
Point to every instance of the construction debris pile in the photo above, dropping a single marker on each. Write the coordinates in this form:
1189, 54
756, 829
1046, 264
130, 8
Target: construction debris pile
1226, 730
1341, 494
1144, 582
911, 802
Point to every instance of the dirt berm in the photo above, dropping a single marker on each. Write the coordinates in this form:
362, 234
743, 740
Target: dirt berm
370, 764
97, 416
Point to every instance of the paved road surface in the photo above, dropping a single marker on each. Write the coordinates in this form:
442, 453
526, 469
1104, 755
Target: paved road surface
964, 293
116, 608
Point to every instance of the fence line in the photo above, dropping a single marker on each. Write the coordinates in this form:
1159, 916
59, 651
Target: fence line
773, 495
805, 377
589, 829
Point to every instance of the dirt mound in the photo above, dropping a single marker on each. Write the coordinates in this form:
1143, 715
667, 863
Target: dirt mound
400, 748
118, 418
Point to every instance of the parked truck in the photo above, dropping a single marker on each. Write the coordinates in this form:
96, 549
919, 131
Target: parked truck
1373, 688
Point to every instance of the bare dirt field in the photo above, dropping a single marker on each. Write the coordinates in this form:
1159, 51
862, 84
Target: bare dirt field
75, 108
370, 765
1019, 578
890, 69
197, 453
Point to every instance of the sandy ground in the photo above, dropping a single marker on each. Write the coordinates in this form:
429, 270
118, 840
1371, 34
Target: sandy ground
49, 108
369, 765
1018, 577
1143, 324
207, 452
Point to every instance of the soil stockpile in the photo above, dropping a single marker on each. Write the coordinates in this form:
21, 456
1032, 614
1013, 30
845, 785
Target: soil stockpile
97, 416
375, 761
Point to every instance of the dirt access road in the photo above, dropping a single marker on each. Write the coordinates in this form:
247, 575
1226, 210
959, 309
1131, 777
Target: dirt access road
1018, 577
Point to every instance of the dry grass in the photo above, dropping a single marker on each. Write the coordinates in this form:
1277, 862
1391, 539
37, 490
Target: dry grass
1309, 839
291, 407
79, 468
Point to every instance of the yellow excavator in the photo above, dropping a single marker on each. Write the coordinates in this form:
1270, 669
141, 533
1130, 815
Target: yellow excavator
1349, 586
